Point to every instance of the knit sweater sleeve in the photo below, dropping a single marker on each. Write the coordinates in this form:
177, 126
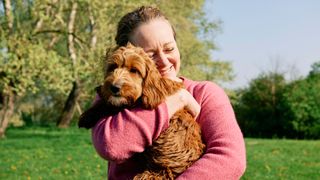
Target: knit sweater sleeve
225, 153
116, 138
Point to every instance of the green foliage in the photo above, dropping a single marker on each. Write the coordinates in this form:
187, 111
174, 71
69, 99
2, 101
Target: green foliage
28, 67
271, 107
302, 100
35, 59
258, 108
315, 70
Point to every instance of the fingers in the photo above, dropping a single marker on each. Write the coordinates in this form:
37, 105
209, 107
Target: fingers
182, 99
194, 108
190, 103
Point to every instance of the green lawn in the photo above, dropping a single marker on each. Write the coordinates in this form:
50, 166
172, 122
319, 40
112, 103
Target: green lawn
50, 153
282, 159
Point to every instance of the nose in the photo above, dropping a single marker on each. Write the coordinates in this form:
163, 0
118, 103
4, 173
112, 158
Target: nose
114, 89
162, 60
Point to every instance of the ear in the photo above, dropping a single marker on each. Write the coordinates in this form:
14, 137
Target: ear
153, 92
98, 90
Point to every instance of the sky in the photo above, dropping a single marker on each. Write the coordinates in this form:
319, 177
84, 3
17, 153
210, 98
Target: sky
266, 35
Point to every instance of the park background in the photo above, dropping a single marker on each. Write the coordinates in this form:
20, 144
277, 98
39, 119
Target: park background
265, 55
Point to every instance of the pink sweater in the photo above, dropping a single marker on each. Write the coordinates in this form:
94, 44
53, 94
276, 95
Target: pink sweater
117, 138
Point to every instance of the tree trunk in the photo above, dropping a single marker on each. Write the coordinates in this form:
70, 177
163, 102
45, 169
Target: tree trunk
69, 107
6, 111
71, 48
9, 16
70, 104
93, 29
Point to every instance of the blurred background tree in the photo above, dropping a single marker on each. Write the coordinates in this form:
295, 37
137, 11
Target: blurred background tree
51, 53
302, 105
51, 58
258, 107
273, 107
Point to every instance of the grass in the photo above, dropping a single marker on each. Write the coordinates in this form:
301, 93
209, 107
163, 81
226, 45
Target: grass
282, 159
51, 153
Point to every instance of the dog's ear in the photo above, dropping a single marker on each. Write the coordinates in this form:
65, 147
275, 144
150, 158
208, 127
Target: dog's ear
153, 91
156, 88
99, 91
90, 117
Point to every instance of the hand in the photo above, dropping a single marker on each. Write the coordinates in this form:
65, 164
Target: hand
182, 99
191, 104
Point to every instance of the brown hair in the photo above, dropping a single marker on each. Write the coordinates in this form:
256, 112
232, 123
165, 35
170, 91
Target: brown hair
134, 19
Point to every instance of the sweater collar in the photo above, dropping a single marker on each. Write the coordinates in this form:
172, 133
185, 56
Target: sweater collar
186, 82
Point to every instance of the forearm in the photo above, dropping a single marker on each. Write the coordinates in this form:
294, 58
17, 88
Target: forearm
225, 156
117, 138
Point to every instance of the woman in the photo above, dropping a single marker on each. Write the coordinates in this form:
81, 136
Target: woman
117, 138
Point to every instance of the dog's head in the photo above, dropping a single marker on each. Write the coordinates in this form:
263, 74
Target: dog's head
131, 75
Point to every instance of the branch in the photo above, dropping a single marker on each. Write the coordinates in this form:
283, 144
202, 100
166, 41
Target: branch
53, 41
40, 20
62, 32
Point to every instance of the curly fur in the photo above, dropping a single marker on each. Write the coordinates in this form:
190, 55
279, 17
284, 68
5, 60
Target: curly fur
132, 79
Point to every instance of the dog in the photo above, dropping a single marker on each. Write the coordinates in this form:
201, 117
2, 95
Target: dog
132, 79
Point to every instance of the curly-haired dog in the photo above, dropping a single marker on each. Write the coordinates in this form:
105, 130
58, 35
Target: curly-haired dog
132, 79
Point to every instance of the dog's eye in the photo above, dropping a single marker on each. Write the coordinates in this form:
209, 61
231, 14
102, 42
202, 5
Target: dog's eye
111, 67
134, 70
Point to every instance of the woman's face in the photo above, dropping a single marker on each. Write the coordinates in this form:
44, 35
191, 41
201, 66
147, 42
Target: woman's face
157, 40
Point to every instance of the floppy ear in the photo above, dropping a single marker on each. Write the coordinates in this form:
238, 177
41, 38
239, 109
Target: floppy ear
152, 91
98, 90
155, 87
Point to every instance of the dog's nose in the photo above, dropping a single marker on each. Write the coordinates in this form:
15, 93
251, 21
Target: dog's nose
114, 89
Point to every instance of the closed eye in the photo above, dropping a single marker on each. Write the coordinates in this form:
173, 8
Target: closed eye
151, 55
169, 49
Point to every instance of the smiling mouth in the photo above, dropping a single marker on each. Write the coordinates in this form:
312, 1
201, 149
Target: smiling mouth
165, 71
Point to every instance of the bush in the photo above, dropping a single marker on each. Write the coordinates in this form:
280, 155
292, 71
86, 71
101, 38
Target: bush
302, 103
271, 107
258, 108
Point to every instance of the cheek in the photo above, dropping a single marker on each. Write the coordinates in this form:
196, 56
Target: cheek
176, 61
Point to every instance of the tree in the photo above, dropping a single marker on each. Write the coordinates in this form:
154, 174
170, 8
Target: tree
270, 106
55, 48
105, 17
259, 107
315, 70
302, 102
25, 66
